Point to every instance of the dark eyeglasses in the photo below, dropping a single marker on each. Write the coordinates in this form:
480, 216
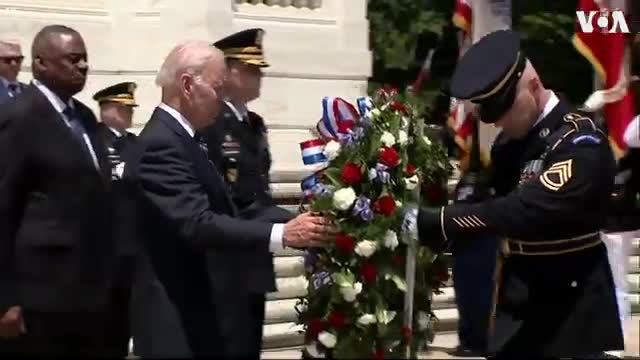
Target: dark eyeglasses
11, 59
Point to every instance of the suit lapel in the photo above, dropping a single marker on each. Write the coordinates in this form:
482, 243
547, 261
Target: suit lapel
204, 169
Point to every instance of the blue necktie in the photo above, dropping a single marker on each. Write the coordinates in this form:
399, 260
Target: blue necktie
78, 130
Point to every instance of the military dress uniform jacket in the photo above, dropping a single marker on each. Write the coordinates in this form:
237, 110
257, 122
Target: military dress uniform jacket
555, 293
127, 230
240, 151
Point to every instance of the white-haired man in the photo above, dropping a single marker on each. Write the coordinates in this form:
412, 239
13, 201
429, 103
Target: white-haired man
10, 61
189, 215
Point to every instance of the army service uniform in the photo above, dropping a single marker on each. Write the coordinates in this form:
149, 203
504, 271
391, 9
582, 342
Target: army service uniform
120, 147
554, 290
238, 147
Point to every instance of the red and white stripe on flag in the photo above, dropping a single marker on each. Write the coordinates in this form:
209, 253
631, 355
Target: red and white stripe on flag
462, 15
461, 121
606, 53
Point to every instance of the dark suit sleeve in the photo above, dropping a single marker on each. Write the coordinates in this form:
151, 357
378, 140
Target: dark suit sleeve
572, 190
12, 180
170, 185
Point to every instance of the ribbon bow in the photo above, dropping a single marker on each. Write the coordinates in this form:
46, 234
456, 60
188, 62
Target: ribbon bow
338, 117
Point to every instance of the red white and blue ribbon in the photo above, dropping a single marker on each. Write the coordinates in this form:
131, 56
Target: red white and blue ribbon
365, 104
313, 151
338, 117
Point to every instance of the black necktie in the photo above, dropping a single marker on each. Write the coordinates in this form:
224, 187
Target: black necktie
202, 144
78, 130
13, 89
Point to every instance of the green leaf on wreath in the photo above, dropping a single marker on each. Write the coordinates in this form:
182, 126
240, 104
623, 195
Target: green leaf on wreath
333, 174
400, 283
344, 279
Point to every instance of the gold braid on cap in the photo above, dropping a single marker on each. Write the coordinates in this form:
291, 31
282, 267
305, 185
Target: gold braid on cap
501, 84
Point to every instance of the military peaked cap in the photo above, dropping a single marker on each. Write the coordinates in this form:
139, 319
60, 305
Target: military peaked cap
119, 93
245, 46
488, 74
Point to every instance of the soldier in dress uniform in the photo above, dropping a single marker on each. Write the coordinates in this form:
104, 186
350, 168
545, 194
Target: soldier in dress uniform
116, 112
238, 147
554, 294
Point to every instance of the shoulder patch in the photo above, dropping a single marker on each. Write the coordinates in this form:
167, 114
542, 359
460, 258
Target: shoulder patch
557, 175
586, 139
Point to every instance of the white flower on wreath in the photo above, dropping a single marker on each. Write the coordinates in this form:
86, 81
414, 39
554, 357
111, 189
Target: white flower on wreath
398, 203
411, 183
327, 339
332, 150
344, 198
388, 139
386, 316
367, 319
366, 248
350, 291
427, 140
375, 112
423, 320
391, 239
403, 138
312, 349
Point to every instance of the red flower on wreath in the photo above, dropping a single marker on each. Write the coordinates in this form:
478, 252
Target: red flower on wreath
406, 331
351, 174
345, 243
387, 92
398, 260
389, 157
315, 327
369, 272
399, 107
411, 169
337, 319
385, 205
442, 275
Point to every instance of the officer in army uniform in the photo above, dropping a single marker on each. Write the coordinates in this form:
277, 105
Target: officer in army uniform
116, 112
554, 290
238, 147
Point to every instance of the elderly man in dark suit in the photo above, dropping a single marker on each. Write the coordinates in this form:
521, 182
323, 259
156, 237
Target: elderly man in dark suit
10, 61
189, 215
56, 249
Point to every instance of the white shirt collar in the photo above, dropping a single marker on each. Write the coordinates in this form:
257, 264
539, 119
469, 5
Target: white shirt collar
181, 119
240, 111
54, 99
551, 103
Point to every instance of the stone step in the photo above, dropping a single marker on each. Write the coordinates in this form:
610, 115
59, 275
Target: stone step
634, 264
289, 288
288, 334
289, 252
288, 266
283, 310
442, 345
634, 300
635, 246
634, 283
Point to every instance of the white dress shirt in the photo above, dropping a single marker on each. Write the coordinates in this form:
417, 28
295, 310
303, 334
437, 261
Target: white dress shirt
60, 106
277, 231
632, 133
548, 107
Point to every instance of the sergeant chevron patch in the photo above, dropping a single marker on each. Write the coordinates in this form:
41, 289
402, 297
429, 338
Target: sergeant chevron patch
469, 221
557, 175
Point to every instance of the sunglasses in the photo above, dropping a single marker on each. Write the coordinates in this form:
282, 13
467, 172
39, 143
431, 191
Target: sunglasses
11, 59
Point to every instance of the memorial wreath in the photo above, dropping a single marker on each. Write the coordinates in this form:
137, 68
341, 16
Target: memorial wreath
369, 293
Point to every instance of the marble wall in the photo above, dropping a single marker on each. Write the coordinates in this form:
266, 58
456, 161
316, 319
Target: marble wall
315, 47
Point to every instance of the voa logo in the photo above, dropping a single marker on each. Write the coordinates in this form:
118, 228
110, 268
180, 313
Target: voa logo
608, 21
